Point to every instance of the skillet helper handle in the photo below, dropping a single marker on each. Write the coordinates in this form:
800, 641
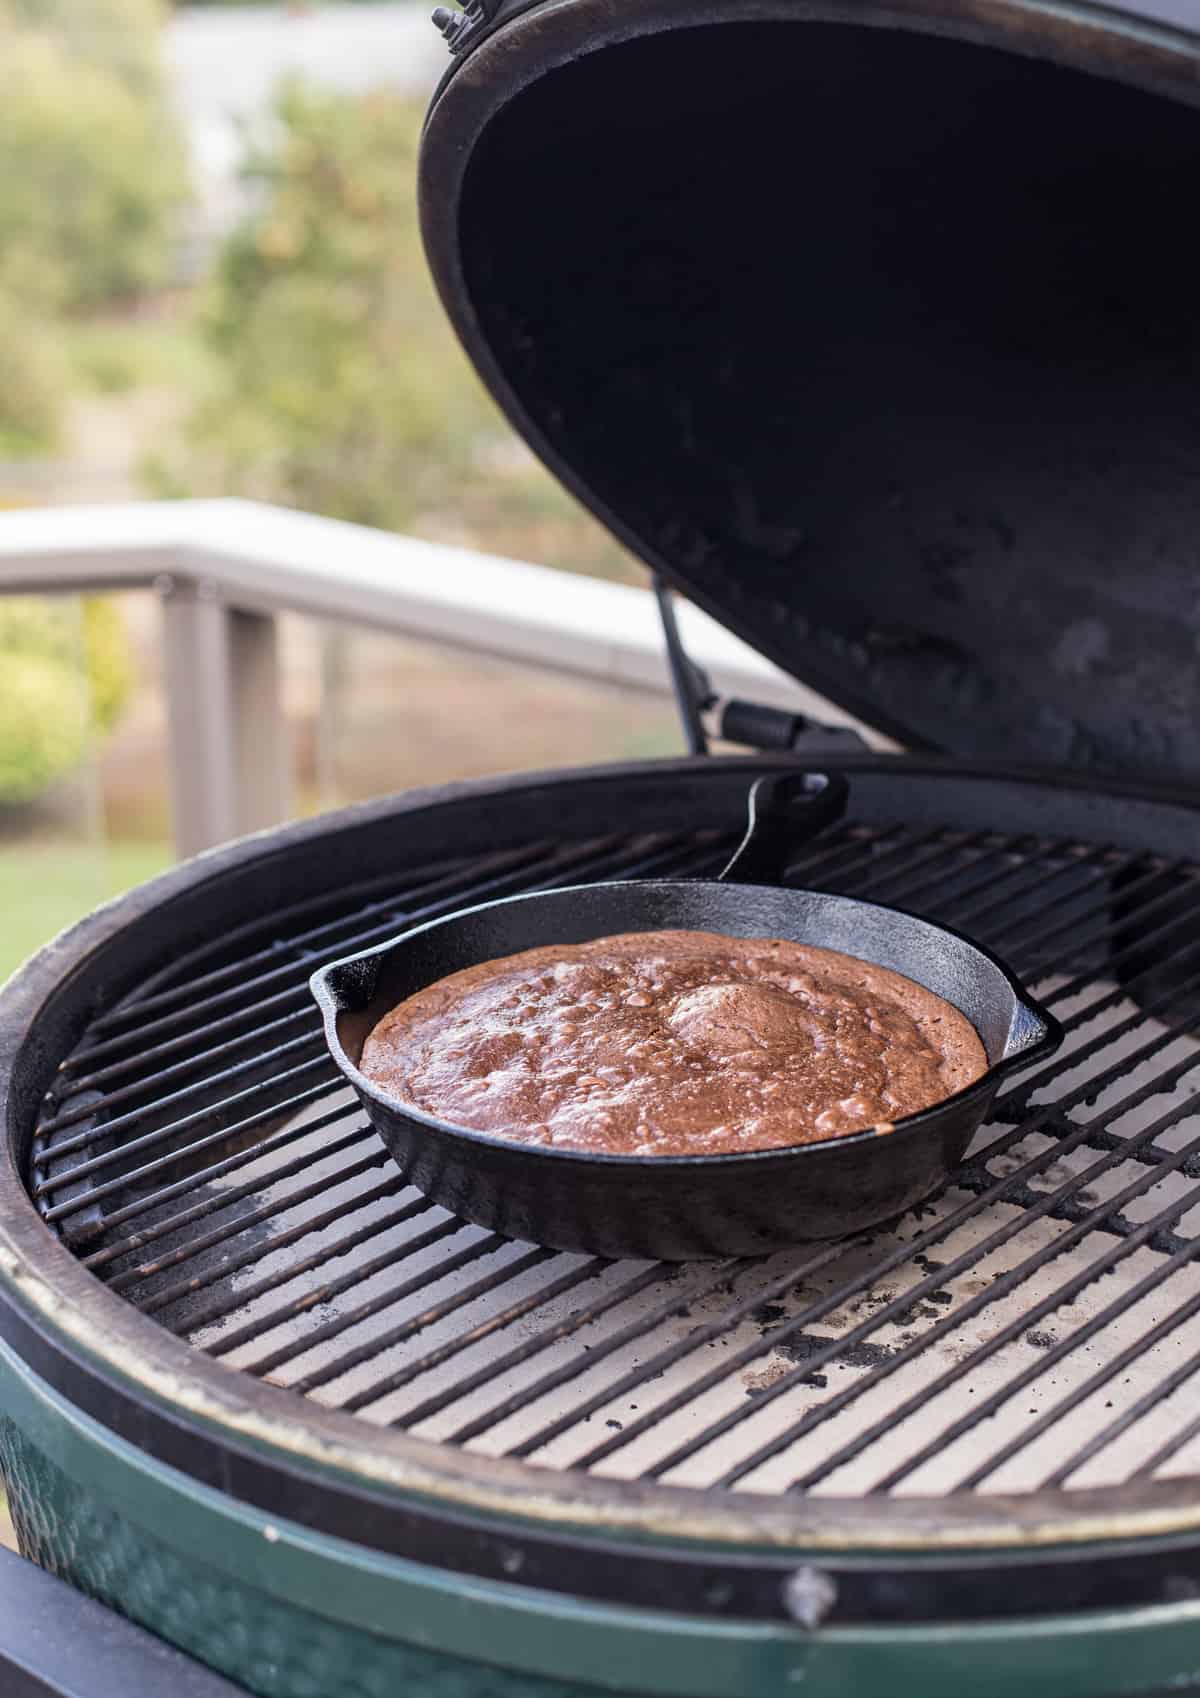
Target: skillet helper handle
785, 812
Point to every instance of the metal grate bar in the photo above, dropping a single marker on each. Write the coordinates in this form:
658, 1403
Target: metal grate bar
134, 1241
1170, 1447
976, 913
660, 1274
459, 1299
168, 1075
938, 879
945, 887
217, 1309
254, 1217
169, 1016
407, 1329
1138, 1411
1114, 1366
377, 1303
216, 1170
1037, 1312
664, 1359
186, 1041
1170, 900
448, 884
1087, 1014
508, 1317
853, 846
336, 905
227, 1265
161, 1134
1066, 1240
206, 1083
936, 852
263, 1324
1099, 934
730, 1318
221, 1135
1155, 871
953, 895
840, 1297
1038, 881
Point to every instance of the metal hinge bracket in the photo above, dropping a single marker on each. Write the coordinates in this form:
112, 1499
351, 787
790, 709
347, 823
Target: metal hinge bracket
704, 714
458, 27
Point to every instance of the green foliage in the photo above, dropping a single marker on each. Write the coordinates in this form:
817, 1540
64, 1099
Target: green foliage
339, 386
119, 354
91, 181
64, 672
43, 731
33, 381
90, 168
108, 661
334, 351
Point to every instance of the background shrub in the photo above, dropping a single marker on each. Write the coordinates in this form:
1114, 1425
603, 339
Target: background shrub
337, 383
92, 180
65, 674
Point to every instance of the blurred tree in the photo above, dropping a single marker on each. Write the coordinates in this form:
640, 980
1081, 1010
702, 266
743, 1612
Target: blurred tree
91, 180
340, 386
64, 674
334, 353
92, 176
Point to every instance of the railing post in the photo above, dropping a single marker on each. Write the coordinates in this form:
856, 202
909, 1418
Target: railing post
228, 739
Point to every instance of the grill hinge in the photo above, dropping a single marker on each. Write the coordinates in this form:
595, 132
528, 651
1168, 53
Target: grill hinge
458, 27
753, 725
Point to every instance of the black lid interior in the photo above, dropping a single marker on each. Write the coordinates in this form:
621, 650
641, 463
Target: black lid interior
886, 348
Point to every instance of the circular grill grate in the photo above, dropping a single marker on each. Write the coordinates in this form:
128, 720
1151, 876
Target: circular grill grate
1037, 1323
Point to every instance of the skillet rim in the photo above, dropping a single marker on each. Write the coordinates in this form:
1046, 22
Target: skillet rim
1040, 1047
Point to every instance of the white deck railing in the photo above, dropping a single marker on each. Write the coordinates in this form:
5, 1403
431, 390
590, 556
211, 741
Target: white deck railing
224, 569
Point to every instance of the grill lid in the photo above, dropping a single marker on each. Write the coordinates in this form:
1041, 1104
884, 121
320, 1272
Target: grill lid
880, 345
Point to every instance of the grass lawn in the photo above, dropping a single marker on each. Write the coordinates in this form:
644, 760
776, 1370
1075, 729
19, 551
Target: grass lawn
45, 887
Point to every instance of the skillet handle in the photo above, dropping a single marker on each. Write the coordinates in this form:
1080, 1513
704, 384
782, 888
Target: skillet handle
784, 813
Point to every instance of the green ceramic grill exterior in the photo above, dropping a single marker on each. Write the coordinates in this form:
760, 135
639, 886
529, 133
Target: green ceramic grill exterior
293, 1614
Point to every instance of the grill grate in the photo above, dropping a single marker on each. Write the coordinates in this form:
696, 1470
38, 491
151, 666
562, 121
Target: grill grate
1037, 1323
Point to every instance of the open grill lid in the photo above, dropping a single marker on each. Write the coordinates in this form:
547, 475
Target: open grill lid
875, 329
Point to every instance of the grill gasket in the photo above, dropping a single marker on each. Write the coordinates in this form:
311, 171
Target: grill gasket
906, 1527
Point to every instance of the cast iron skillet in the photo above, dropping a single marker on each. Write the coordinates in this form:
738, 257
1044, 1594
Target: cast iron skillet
680, 1208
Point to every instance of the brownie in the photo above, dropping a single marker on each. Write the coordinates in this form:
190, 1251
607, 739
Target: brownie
673, 1043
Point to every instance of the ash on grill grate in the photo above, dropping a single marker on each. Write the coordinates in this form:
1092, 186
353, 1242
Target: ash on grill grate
229, 1186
